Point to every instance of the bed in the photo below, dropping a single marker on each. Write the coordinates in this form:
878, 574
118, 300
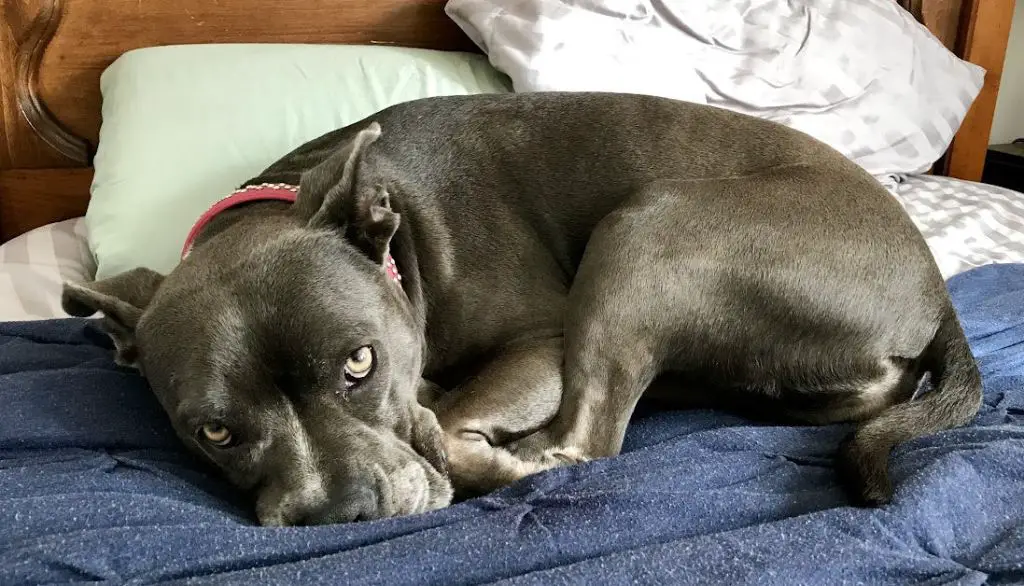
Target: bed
94, 485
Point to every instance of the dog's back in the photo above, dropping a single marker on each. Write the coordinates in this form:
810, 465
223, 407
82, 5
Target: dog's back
553, 164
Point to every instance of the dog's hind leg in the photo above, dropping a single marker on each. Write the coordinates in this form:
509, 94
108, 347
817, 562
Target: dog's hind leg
954, 401
780, 286
698, 277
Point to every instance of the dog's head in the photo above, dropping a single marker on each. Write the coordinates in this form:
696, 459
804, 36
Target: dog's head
288, 358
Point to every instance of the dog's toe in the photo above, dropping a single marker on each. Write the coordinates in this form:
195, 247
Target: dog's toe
566, 456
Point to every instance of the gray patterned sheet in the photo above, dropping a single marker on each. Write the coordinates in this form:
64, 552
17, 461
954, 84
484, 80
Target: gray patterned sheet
966, 225
34, 266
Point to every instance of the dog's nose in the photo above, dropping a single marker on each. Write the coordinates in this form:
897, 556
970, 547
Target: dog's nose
281, 509
355, 502
300, 515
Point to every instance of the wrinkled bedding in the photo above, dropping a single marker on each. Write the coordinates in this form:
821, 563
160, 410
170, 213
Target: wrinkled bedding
94, 486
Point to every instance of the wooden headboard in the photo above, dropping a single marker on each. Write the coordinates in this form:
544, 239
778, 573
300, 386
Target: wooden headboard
52, 53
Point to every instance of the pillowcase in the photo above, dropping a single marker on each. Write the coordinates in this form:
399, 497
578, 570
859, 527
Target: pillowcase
185, 125
597, 46
862, 76
35, 265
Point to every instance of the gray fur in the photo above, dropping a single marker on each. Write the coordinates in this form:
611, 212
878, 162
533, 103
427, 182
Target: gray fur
563, 255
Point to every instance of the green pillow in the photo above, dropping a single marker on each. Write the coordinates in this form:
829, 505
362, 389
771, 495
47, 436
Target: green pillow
184, 125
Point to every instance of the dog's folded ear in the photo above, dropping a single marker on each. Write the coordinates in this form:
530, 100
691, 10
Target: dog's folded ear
121, 299
373, 224
330, 196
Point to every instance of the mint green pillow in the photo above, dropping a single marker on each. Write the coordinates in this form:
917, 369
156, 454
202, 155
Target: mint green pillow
184, 125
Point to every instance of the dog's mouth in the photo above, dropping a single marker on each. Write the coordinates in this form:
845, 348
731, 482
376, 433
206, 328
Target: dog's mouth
373, 475
411, 487
416, 483
377, 490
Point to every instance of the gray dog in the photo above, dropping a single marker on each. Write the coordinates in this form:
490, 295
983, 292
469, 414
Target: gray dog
544, 261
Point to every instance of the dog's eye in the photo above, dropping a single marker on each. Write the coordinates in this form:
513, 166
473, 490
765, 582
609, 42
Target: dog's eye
216, 434
359, 363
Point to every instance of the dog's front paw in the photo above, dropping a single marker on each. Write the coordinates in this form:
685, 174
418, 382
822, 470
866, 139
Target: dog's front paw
539, 449
475, 466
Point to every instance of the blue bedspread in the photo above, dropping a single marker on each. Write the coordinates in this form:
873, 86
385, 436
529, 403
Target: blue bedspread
93, 485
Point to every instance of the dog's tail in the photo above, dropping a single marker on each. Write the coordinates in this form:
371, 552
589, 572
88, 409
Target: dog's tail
954, 400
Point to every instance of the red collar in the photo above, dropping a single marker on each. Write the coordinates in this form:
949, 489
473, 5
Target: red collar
262, 192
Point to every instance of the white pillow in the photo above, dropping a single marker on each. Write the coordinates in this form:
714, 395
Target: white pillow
860, 75
553, 46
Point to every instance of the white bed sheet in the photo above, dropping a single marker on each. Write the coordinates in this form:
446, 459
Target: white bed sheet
966, 225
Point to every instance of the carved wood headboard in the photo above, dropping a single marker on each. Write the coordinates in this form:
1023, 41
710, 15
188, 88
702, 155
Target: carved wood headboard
52, 53
52, 116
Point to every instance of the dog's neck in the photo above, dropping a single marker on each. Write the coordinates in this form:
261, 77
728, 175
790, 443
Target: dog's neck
263, 192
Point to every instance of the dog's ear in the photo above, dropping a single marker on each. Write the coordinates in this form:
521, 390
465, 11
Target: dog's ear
121, 299
324, 190
331, 197
372, 223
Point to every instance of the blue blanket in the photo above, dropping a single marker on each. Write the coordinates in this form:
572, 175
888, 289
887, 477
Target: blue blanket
93, 485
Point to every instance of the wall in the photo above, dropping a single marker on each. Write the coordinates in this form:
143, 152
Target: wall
1008, 123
